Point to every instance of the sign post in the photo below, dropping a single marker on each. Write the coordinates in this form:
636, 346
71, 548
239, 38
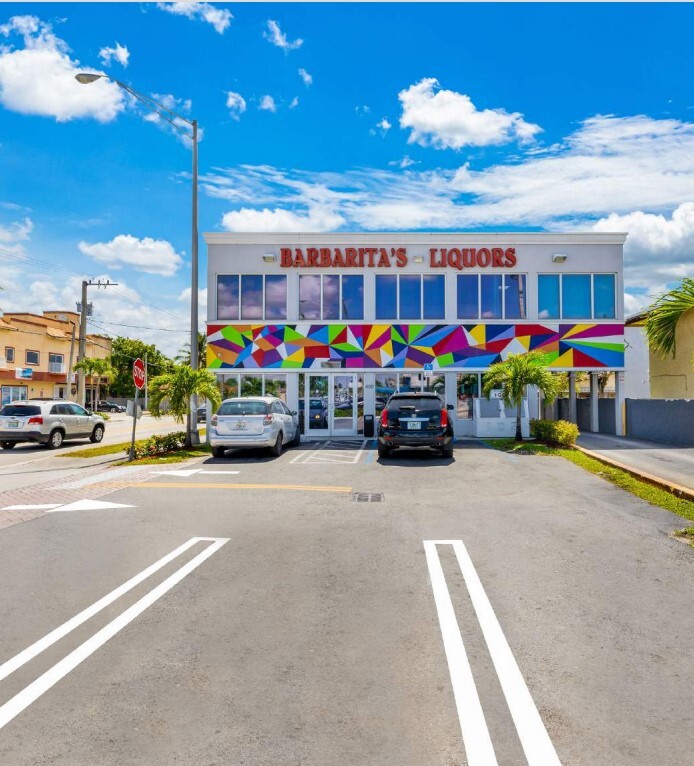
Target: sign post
139, 378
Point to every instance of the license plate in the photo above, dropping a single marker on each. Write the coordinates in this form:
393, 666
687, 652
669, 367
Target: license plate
13, 424
240, 426
414, 425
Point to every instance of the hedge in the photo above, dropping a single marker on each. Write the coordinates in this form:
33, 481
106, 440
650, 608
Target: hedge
554, 431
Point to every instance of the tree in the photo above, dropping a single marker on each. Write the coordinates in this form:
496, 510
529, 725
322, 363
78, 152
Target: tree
183, 356
95, 367
514, 374
665, 313
124, 351
177, 388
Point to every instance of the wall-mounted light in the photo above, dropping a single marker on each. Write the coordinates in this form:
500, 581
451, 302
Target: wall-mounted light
559, 258
269, 257
418, 259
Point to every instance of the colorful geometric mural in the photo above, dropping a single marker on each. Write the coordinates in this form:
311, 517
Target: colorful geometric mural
402, 346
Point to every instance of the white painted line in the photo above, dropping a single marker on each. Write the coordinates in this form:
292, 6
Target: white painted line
43, 683
478, 744
31, 507
55, 635
181, 472
88, 505
112, 473
305, 456
357, 457
230, 473
537, 746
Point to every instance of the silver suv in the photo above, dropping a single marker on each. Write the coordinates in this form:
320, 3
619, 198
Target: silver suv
49, 422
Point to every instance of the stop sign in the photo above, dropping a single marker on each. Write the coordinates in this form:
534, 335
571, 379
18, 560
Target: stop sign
139, 374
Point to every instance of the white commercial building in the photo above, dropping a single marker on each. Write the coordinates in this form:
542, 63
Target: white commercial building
350, 318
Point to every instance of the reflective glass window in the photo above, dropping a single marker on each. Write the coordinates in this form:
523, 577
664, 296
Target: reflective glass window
309, 296
276, 385
548, 296
603, 296
251, 385
228, 296
331, 297
353, 297
386, 297
410, 297
275, 296
491, 296
251, 296
468, 298
434, 286
514, 296
575, 296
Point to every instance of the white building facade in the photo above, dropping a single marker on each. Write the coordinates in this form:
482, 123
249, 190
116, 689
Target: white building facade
335, 323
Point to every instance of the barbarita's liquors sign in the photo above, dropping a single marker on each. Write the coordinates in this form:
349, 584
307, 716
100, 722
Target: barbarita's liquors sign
388, 257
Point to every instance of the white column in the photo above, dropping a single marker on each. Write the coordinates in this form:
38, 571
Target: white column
572, 397
594, 408
619, 403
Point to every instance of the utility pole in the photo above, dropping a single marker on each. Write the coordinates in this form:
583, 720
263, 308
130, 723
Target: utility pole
84, 309
68, 377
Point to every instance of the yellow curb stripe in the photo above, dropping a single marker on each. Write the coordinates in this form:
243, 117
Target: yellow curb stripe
181, 485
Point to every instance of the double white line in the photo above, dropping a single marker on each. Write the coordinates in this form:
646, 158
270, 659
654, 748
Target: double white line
43, 683
537, 746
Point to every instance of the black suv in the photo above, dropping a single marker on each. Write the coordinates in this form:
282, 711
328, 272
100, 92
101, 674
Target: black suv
415, 419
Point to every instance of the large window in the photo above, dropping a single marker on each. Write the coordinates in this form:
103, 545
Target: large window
491, 296
331, 296
32, 358
410, 296
252, 296
576, 296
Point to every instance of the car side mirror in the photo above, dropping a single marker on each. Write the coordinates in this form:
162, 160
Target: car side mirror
293, 412
449, 407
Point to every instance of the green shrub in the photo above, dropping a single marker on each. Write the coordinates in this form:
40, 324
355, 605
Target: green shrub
159, 445
554, 431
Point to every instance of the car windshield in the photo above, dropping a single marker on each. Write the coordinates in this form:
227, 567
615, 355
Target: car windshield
411, 405
315, 404
243, 408
20, 409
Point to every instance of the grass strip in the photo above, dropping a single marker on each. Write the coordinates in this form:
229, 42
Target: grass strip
112, 449
646, 491
177, 456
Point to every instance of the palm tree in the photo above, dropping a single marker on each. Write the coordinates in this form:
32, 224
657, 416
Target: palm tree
665, 313
95, 368
514, 374
178, 388
183, 356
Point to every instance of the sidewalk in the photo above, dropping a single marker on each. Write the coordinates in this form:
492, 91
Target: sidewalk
669, 463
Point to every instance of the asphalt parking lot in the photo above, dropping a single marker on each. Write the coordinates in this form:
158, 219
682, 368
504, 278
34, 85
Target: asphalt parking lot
329, 608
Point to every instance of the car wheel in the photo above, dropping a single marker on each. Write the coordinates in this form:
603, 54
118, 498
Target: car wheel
97, 434
296, 441
218, 451
114, 409
8, 445
277, 449
55, 440
447, 452
383, 451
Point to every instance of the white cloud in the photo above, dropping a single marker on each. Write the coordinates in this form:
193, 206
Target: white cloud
306, 77
404, 163
220, 18
445, 119
236, 104
384, 125
294, 102
362, 109
153, 256
316, 218
120, 53
275, 35
267, 104
16, 231
40, 77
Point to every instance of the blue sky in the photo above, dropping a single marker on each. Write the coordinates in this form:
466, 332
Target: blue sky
321, 117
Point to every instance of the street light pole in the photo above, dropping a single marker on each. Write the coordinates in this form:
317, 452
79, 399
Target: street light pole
174, 119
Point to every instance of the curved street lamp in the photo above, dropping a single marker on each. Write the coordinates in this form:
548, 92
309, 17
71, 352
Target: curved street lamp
174, 119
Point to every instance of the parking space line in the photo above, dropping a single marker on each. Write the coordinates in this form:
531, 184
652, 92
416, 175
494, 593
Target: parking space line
43, 683
535, 741
230, 485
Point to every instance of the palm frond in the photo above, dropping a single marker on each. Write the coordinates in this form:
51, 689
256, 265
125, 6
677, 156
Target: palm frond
664, 315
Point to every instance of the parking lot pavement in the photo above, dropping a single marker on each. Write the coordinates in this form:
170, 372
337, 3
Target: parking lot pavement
481, 611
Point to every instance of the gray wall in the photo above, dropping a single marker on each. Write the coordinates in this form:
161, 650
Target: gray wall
560, 411
670, 421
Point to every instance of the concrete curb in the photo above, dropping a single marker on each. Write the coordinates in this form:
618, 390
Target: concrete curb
685, 493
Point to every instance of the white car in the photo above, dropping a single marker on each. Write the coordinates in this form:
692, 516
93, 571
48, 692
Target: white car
253, 421
49, 422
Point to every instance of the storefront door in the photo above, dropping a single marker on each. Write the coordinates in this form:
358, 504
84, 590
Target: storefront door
331, 405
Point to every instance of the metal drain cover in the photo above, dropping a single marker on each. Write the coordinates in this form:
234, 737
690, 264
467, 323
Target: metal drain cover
368, 497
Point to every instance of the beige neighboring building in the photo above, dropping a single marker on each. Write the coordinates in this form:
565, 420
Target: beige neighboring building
672, 377
35, 353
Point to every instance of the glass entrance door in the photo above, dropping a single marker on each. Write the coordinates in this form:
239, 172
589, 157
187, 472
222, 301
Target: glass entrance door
343, 408
315, 406
331, 405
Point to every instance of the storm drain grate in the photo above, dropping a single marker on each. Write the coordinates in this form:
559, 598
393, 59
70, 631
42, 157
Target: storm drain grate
368, 497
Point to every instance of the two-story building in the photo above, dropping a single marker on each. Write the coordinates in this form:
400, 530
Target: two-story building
35, 354
351, 318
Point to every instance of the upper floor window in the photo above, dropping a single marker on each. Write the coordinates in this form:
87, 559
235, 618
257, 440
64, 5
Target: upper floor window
491, 296
55, 358
331, 296
576, 296
9, 354
252, 296
32, 358
410, 296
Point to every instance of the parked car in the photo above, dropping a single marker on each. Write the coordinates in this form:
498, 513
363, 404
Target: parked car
49, 422
253, 421
415, 419
104, 406
317, 412
202, 413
